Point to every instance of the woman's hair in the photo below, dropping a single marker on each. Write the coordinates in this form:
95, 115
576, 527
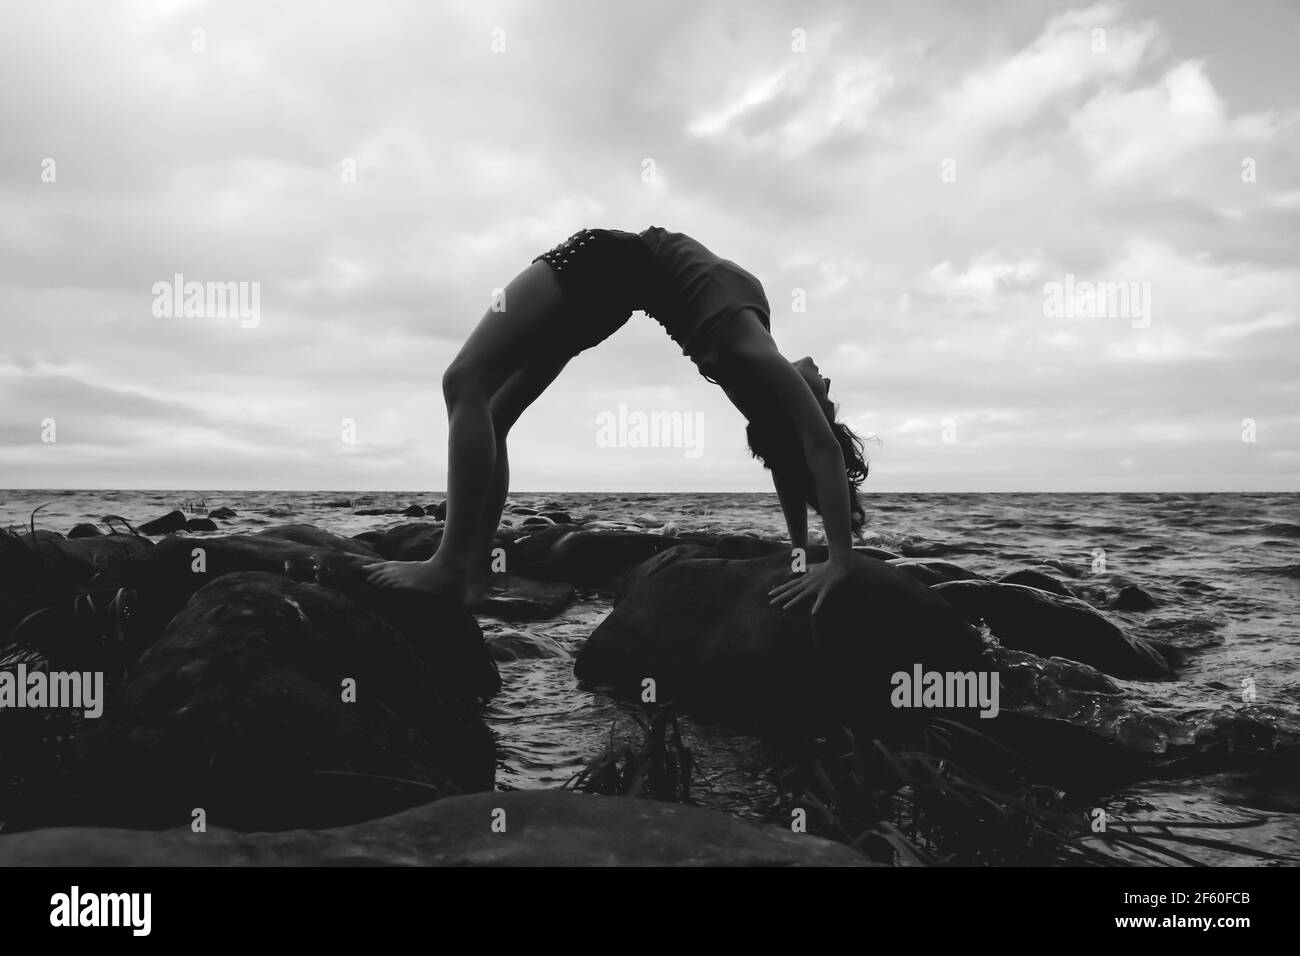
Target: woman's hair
778, 446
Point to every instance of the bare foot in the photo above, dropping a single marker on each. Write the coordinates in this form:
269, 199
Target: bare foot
432, 575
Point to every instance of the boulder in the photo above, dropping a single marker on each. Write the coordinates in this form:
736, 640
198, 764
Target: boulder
413, 511
559, 517
414, 541
596, 558
443, 634
703, 629
1031, 577
930, 572
268, 703
514, 598
1052, 625
543, 828
223, 512
201, 524
438, 510
879, 553
84, 530
166, 524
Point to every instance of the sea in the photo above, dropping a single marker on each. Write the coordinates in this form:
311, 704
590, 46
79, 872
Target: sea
1224, 569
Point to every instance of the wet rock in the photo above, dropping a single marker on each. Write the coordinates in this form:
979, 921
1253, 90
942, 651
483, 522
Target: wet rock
595, 558
223, 512
438, 510
1133, 598
242, 707
930, 572
172, 521
544, 828
703, 629
559, 517
415, 541
878, 553
1069, 570
508, 646
737, 545
413, 511
533, 520
511, 597
1033, 578
1051, 625
84, 530
444, 635
378, 511
522, 510
201, 524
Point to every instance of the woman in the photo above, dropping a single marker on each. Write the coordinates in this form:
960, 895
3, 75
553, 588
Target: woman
580, 293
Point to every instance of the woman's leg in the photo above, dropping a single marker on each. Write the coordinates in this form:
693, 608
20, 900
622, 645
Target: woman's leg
509, 402
501, 345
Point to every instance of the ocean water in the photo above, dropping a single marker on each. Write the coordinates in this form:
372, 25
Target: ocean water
1225, 569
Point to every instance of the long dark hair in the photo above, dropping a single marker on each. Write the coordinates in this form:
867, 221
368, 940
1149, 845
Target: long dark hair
778, 446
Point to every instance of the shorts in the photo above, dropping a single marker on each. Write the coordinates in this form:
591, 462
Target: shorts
602, 274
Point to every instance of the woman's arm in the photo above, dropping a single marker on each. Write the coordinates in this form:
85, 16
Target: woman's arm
793, 507
758, 359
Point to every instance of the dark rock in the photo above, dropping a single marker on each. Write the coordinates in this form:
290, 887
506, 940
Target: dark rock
314, 537
929, 571
596, 558
201, 524
1069, 570
1133, 598
542, 829
879, 553
1036, 579
413, 511
379, 511
523, 510
85, 530
705, 631
438, 510
239, 708
559, 517
172, 521
520, 645
736, 545
532, 520
223, 512
514, 598
444, 635
415, 541
1052, 625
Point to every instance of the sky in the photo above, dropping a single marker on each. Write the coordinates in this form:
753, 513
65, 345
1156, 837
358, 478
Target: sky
928, 191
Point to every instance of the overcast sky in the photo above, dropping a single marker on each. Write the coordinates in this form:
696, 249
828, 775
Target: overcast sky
908, 180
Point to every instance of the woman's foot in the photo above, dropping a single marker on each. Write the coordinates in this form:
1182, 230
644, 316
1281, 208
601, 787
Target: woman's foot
433, 576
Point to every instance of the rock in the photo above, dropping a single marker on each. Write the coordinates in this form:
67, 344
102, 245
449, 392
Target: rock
413, 511
520, 645
1036, 579
1051, 625
736, 545
930, 572
172, 521
415, 541
559, 517
241, 707
1070, 570
595, 558
514, 598
704, 631
201, 524
223, 513
444, 635
532, 520
643, 570
879, 553
438, 510
379, 511
84, 530
544, 828
522, 510
313, 537
107, 558
1133, 598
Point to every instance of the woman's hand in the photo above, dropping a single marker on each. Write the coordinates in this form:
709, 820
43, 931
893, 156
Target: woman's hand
817, 582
